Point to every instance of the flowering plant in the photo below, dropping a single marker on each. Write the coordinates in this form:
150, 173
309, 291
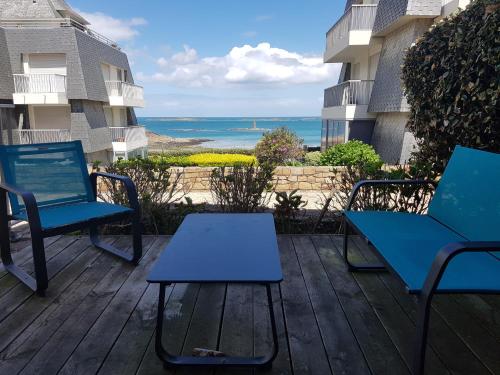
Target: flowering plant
279, 146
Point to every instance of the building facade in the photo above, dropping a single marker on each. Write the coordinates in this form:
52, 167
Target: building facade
368, 103
61, 81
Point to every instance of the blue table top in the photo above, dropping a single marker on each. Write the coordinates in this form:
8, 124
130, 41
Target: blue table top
211, 248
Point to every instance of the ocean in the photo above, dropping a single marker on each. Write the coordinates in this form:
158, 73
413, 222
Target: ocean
228, 132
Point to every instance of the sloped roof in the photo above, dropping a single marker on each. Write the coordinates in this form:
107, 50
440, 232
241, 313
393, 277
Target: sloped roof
66, 11
18, 9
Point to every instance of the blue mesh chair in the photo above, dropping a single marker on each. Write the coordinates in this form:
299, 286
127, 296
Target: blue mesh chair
48, 185
454, 248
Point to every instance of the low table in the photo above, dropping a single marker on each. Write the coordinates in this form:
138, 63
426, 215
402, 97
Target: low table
219, 248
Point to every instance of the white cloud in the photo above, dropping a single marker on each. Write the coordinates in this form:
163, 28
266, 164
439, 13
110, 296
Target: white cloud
114, 28
259, 65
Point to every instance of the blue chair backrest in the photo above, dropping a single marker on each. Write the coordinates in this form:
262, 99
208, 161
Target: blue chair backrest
467, 198
56, 173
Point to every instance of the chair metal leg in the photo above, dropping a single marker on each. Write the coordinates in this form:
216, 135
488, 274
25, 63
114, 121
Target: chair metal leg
359, 267
170, 360
4, 231
137, 237
137, 242
424, 308
40, 282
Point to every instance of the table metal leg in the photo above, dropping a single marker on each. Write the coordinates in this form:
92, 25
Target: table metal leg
170, 360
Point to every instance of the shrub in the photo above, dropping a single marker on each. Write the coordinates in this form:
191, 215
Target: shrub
287, 207
241, 188
279, 146
400, 198
205, 160
174, 161
352, 153
221, 160
452, 83
312, 158
158, 190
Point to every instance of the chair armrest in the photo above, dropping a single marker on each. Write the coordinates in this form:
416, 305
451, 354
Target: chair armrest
127, 182
450, 251
360, 184
29, 202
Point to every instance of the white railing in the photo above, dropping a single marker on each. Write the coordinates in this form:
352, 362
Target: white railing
39, 83
357, 17
133, 136
30, 136
51, 23
355, 92
125, 89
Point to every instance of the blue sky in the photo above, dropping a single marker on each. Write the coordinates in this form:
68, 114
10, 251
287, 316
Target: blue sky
223, 58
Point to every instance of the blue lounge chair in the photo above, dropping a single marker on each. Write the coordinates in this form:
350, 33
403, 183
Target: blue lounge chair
48, 185
454, 248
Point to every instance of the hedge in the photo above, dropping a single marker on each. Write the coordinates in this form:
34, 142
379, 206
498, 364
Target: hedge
452, 77
206, 160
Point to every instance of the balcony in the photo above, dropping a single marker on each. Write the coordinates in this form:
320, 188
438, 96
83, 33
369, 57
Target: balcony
31, 136
348, 100
124, 94
351, 35
40, 89
128, 138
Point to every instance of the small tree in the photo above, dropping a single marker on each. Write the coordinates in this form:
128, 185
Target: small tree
278, 147
452, 83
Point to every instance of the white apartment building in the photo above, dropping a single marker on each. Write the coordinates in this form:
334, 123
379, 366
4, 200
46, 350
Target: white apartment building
61, 81
368, 103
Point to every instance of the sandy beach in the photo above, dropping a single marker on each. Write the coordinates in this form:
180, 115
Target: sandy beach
158, 143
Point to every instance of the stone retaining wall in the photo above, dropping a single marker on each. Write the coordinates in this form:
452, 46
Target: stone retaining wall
286, 178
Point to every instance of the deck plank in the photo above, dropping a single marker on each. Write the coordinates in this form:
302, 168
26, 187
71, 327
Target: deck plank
449, 325
99, 315
394, 318
13, 292
179, 310
19, 352
262, 331
203, 331
25, 253
236, 337
341, 345
137, 332
53, 355
88, 357
308, 354
378, 348
25, 314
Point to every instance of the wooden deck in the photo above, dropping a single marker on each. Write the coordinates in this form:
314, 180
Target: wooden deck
99, 317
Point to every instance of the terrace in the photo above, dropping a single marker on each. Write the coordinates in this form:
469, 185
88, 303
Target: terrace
124, 94
40, 89
351, 35
128, 138
348, 100
99, 316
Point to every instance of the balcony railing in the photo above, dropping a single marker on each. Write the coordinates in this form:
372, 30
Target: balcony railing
39, 83
133, 136
358, 17
30, 136
125, 89
51, 23
348, 93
